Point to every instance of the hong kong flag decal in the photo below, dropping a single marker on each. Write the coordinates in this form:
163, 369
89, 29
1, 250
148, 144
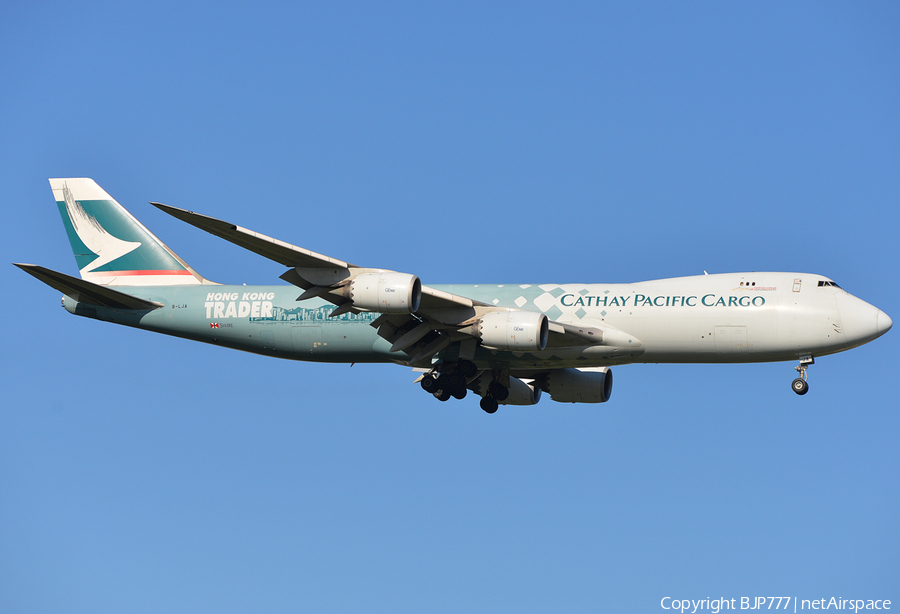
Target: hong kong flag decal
214, 325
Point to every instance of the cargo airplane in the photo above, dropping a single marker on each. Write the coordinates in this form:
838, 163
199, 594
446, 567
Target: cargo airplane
507, 344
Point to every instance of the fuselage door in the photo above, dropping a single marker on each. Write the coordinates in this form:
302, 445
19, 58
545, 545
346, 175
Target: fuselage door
267, 334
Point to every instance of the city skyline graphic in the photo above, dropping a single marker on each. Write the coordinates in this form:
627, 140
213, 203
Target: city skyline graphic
318, 315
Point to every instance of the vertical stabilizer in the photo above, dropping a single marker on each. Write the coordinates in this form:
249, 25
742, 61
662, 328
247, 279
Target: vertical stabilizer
111, 247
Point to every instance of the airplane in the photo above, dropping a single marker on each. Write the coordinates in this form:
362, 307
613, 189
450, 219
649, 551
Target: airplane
506, 343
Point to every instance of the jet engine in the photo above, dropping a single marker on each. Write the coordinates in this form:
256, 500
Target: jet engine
590, 385
385, 292
515, 331
520, 393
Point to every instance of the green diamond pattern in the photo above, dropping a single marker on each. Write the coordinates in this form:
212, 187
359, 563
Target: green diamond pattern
554, 312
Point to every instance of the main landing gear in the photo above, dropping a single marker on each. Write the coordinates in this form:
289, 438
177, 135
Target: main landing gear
496, 392
489, 404
799, 385
450, 380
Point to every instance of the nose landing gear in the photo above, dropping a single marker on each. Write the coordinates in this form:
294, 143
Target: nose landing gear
799, 385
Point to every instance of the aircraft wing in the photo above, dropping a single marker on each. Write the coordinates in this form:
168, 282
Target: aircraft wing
299, 258
273, 249
438, 320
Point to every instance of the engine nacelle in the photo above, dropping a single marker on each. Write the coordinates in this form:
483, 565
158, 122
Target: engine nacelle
385, 292
591, 385
516, 331
520, 393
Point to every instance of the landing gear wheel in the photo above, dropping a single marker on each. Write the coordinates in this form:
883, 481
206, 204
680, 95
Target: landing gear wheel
459, 393
442, 395
467, 368
429, 384
489, 404
455, 380
799, 386
498, 391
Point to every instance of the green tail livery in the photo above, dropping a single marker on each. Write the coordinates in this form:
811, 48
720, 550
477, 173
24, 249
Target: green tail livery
111, 247
507, 344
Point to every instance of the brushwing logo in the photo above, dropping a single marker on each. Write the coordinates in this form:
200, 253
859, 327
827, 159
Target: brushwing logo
94, 236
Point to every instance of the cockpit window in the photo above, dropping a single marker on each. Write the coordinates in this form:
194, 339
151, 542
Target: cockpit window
828, 283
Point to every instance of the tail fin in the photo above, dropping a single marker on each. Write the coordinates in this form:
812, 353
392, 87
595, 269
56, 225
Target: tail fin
111, 247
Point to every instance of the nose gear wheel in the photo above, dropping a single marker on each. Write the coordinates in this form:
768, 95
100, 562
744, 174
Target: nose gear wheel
799, 385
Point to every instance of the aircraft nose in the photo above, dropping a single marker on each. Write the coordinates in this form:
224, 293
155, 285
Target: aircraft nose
883, 323
861, 321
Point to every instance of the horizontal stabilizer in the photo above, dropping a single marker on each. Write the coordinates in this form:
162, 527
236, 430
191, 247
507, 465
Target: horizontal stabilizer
87, 292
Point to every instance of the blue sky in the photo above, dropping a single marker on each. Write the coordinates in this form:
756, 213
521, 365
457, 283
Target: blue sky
467, 143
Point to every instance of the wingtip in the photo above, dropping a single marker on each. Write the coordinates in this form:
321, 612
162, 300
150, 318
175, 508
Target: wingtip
176, 211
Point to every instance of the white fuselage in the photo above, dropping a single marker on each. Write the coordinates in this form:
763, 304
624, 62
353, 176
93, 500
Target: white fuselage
739, 317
